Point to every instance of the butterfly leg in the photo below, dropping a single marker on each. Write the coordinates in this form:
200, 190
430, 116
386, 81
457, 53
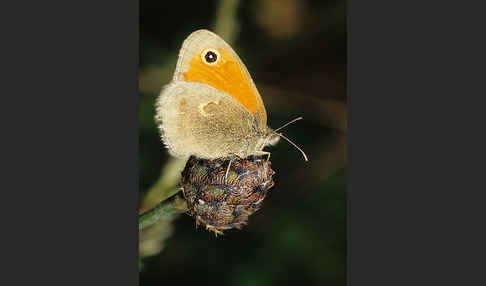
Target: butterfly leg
263, 153
227, 169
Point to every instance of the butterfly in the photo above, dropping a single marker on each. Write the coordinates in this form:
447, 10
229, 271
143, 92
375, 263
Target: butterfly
212, 108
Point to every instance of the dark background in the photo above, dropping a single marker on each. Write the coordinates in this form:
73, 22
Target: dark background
296, 54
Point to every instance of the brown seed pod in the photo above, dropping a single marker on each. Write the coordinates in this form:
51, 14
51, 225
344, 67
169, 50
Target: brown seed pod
222, 198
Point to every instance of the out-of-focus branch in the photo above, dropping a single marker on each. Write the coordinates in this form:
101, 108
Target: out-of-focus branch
326, 111
226, 24
164, 187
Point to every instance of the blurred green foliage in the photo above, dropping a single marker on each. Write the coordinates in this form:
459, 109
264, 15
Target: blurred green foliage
296, 54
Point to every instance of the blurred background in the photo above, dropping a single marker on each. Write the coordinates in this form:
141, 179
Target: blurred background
296, 53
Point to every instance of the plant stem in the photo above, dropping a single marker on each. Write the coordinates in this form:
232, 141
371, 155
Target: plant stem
165, 209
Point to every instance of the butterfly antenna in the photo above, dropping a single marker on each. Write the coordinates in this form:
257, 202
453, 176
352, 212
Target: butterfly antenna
288, 123
292, 143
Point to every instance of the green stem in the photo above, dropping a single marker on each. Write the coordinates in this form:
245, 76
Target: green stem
165, 209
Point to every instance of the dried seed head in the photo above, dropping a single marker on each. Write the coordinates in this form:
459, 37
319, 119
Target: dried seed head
222, 198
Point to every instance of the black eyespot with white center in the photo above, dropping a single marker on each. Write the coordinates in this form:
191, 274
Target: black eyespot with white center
210, 56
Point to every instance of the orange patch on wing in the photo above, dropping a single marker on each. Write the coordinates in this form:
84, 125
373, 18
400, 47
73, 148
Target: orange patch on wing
228, 76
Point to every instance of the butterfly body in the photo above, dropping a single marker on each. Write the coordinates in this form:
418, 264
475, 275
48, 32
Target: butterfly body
212, 109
